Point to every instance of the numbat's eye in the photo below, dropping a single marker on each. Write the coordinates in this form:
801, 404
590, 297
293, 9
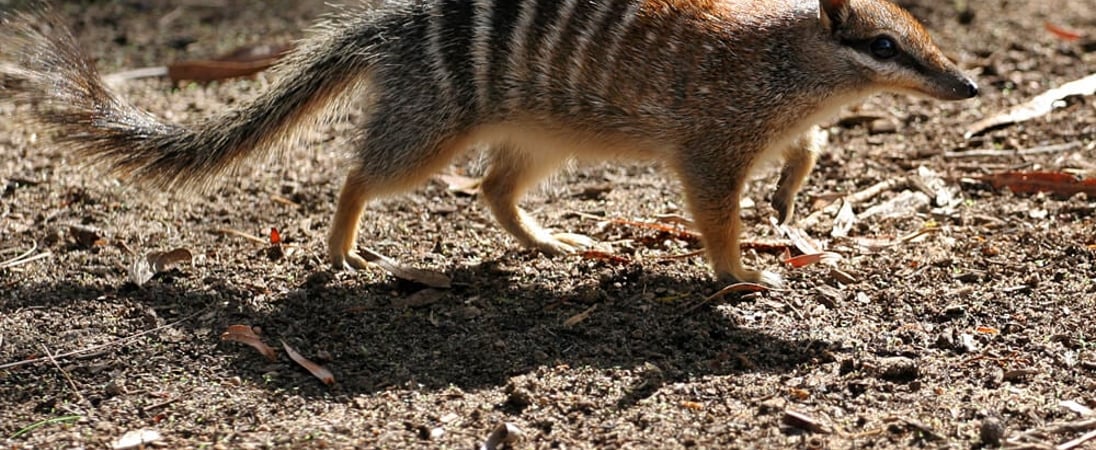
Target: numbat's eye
884, 48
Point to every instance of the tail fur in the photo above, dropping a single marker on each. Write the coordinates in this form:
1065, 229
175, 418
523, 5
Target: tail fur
41, 64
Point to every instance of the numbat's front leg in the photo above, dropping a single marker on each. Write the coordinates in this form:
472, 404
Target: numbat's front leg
799, 159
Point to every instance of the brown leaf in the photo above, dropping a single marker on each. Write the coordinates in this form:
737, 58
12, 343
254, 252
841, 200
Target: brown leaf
424, 277
161, 261
737, 288
241, 62
1062, 184
316, 370
813, 258
605, 256
246, 335
1063, 33
425, 297
86, 236
580, 317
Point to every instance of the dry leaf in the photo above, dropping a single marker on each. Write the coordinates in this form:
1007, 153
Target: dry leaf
505, 434
737, 288
241, 62
844, 221
246, 335
1062, 184
86, 236
424, 277
136, 439
605, 256
1036, 107
814, 258
1063, 33
144, 268
695, 406
580, 317
161, 261
316, 370
425, 297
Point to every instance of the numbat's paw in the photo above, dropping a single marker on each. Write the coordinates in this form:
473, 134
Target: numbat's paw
349, 261
763, 277
565, 244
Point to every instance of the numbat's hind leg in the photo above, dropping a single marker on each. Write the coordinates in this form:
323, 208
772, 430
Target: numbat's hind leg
513, 172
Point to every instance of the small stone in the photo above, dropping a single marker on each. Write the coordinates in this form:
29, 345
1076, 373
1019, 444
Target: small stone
991, 432
882, 126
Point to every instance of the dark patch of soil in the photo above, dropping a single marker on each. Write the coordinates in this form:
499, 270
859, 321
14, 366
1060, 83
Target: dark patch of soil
987, 322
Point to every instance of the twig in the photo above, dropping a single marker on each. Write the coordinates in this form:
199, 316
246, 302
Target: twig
119, 341
991, 153
72, 383
1077, 442
24, 258
238, 233
854, 198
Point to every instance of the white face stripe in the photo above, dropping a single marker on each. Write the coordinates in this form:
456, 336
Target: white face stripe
551, 41
583, 41
434, 52
481, 48
617, 37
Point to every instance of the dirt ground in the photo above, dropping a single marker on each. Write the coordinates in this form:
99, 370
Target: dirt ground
969, 335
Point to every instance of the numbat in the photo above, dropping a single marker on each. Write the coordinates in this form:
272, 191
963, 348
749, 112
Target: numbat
710, 87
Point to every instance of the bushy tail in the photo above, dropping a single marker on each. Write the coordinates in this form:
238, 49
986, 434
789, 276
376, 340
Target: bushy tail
41, 64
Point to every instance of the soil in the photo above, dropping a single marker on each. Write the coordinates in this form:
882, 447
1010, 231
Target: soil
971, 334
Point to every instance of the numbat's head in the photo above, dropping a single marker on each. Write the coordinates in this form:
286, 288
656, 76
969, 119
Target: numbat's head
889, 49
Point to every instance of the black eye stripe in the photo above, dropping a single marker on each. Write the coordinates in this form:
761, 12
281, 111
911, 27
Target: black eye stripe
865, 46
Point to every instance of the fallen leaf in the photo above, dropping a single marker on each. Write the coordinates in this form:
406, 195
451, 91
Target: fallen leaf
695, 406
424, 277
1062, 184
814, 258
802, 421
241, 62
1036, 107
246, 335
737, 288
1078, 408
161, 261
136, 439
1063, 33
87, 237
605, 256
875, 245
580, 317
503, 435
424, 297
675, 231
316, 370
144, 268
844, 221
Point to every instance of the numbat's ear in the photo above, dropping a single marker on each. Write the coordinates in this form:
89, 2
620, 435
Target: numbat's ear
833, 13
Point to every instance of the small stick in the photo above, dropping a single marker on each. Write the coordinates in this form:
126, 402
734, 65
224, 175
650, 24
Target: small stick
854, 198
119, 341
72, 383
238, 233
1077, 442
990, 153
